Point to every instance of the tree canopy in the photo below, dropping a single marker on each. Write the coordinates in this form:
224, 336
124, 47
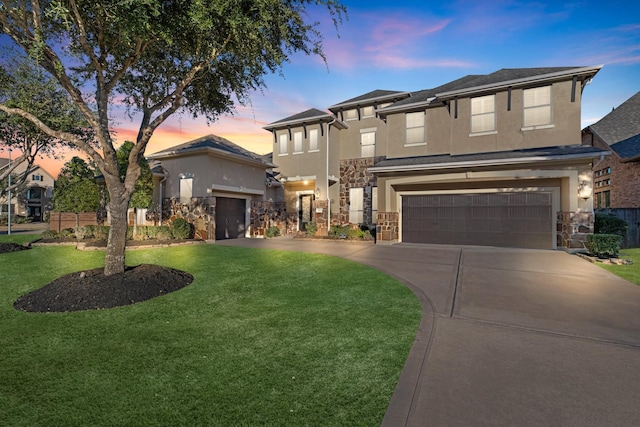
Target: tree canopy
76, 189
156, 57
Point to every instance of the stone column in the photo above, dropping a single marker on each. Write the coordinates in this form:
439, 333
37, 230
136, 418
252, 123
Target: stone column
387, 227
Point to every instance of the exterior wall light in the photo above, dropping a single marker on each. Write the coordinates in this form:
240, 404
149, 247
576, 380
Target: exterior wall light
584, 190
317, 192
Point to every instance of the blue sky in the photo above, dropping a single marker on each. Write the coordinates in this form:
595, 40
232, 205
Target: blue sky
414, 45
411, 46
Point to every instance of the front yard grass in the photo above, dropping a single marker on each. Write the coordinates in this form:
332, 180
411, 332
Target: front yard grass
630, 272
259, 338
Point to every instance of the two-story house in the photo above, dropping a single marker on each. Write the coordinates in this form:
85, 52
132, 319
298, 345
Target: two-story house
33, 198
617, 177
484, 160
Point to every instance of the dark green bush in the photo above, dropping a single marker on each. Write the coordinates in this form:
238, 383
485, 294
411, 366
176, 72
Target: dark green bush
272, 231
603, 245
609, 224
101, 232
181, 229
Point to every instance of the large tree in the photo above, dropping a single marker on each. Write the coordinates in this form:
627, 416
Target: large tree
156, 57
24, 85
76, 188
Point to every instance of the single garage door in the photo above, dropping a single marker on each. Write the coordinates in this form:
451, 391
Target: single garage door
520, 220
230, 218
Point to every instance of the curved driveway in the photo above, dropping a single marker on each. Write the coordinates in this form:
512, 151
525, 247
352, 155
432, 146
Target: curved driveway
508, 336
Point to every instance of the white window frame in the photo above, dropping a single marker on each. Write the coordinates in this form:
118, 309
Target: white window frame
537, 112
351, 114
367, 147
297, 142
415, 129
483, 115
313, 140
356, 205
283, 148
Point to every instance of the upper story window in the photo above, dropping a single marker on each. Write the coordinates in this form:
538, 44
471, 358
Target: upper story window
537, 106
350, 114
283, 148
37, 178
313, 140
367, 143
368, 111
415, 128
297, 142
483, 114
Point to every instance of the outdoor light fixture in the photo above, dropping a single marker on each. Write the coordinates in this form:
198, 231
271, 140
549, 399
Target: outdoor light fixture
584, 190
317, 192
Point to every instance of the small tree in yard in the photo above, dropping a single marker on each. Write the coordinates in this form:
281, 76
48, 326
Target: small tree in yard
76, 189
157, 57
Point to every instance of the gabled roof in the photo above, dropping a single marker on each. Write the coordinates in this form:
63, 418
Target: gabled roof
503, 78
310, 116
211, 144
620, 129
497, 158
377, 95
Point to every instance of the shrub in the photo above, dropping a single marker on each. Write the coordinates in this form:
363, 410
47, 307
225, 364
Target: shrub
312, 228
181, 228
603, 245
49, 234
272, 231
67, 232
609, 224
164, 233
84, 232
101, 232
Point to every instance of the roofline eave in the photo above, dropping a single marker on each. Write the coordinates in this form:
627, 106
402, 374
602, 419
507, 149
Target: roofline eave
485, 163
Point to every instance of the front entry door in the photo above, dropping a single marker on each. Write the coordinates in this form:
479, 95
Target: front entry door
304, 213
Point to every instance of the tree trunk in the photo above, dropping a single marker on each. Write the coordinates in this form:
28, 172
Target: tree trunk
114, 258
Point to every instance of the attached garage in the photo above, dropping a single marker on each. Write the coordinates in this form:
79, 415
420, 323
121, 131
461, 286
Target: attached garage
517, 219
230, 218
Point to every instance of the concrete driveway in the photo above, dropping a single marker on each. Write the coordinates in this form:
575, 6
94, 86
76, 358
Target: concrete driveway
508, 336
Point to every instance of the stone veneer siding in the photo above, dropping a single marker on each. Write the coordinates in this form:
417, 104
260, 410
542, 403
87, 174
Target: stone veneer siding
200, 211
265, 214
387, 227
573, 229
354, 173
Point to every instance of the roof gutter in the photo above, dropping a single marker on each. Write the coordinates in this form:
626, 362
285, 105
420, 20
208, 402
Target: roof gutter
482, 163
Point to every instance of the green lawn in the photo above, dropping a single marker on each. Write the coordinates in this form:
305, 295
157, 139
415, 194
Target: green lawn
259, 338
630, 272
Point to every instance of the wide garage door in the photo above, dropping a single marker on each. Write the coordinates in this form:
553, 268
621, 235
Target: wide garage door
230, 218
521, 220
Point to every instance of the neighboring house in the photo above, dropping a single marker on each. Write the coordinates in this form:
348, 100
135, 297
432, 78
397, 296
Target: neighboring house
33, 198
212, 182
484, 160
617, 177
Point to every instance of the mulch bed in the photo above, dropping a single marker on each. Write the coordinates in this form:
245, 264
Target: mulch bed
12, 247
92, 290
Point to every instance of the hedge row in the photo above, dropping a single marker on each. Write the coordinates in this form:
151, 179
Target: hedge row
180, 229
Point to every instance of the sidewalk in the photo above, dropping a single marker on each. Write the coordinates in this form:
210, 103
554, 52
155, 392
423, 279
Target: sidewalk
28, 228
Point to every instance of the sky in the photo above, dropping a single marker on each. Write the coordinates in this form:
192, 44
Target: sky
415, 45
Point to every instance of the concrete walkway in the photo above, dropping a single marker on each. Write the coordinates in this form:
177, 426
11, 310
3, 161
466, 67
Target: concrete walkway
508, 336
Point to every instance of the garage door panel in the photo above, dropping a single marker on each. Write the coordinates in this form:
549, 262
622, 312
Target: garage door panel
492, 219
230, 218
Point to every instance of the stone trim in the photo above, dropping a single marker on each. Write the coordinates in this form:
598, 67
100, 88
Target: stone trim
354, 173
387, 227
573, 229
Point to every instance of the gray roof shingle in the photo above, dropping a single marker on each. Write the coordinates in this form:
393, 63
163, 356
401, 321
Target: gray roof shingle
620, 129
213, 142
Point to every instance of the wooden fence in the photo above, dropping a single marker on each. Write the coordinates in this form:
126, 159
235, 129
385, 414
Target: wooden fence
61, 220
632, 217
